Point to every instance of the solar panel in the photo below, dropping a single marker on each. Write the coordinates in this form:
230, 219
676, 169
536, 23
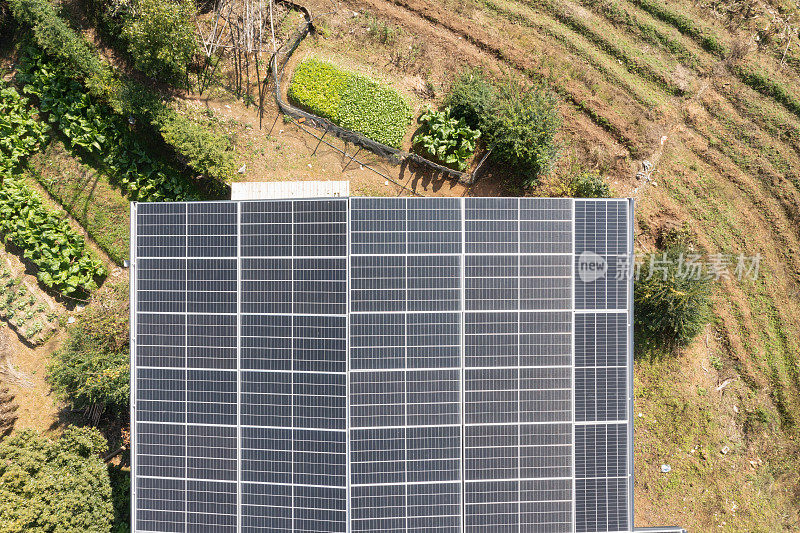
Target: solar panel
434, 365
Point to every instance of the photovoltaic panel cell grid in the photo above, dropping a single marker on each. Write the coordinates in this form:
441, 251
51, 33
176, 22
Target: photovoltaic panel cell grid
450, 322
603, 387
405, 366
518, 365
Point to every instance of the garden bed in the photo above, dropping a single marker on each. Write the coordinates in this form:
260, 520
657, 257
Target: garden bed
34, 318
352, 101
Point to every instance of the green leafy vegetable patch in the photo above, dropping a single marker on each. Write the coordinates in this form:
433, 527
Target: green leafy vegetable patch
351, 100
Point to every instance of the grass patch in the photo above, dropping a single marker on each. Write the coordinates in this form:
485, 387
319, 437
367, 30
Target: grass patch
351, 100
765, 85
705, 37
87, 196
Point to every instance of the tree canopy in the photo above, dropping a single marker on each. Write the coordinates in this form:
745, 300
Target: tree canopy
54, 486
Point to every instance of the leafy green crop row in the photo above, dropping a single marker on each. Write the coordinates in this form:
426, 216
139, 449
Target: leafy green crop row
95, 129
47, 240
45, 237
206, 152
20, 134
353, 101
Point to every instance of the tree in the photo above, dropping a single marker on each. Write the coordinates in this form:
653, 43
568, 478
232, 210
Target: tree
161, 36
520, 129
92, 371
671, 304
54, 486
518, 125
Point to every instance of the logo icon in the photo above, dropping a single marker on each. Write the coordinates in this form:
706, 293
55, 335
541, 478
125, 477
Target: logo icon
591, 267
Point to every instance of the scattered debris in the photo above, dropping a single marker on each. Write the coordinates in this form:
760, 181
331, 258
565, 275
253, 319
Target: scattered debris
71, 320
665, 469
735, 408
725, 450
242, 170
725, 384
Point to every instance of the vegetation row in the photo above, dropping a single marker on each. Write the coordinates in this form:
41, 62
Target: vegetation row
205, 151
93, 128
31, 317
46, 239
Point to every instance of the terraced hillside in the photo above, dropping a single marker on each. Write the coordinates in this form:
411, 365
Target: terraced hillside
709, 95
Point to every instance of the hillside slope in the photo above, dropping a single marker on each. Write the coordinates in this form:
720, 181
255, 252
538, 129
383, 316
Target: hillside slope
711, 102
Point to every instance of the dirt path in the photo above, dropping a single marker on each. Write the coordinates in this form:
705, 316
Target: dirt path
23, 371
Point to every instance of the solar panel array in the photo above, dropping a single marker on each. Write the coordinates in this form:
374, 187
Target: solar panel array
404, 365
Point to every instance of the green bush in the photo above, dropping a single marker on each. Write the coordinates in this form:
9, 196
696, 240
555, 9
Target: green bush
520, 126
200, 147
161, 37
469, 97
670, 307
55, 486
121, 498
447, 139
353, 101
589, 185
93, 368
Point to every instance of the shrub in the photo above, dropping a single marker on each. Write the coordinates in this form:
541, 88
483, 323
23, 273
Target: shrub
447, 139
589, 185
92, 369
520, 127
469, 97
161, 37
669, 306
121, 497
353, 101
49, 486
201, 148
